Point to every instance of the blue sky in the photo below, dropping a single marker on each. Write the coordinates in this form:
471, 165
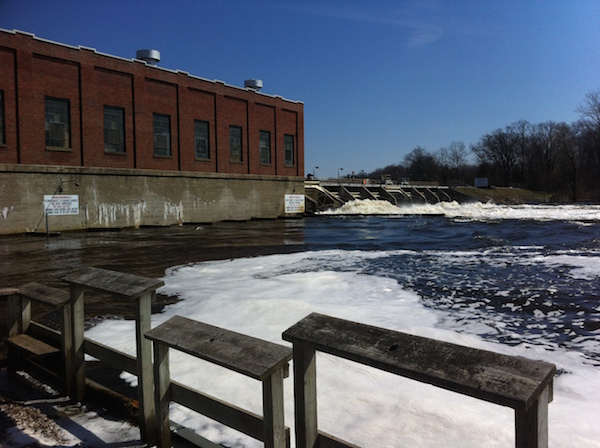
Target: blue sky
377, 78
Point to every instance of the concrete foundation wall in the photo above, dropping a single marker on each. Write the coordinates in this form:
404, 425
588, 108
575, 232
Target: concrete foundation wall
113, 198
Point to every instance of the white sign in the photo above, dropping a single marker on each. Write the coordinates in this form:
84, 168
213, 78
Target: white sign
294, 203
61, 204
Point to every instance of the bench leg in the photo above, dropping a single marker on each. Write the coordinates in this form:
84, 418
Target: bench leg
14, 319
305, 395
145, 372
76, 355
273, 418
162, 394
66, 342
531, 426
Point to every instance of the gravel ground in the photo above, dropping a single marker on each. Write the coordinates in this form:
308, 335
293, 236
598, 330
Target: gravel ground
34, 415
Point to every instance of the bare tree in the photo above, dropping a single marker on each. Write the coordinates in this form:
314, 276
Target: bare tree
500, 151
457, 155
420, 164
590, 108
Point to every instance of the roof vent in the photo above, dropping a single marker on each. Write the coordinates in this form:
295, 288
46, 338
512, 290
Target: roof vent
151, 57
254, 84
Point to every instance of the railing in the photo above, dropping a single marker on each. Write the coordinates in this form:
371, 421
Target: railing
522, 384
255, 358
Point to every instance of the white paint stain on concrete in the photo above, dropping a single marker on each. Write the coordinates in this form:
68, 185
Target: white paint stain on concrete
121, 214
6, 211
173, 210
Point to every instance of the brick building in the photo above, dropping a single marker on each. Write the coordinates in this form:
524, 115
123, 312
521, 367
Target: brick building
75, 109
73, 106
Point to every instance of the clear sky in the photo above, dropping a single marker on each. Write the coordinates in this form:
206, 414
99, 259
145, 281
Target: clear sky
376, 78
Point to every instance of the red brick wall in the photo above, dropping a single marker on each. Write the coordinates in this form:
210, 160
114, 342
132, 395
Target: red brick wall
91, 81
8, 150
113, 89
197, 105
54, 78
262, 119
231, 112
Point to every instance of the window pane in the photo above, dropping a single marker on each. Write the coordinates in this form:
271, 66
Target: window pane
288, 150
235, 143
265, 147
57, 123
162, 135
201, 139
114, 129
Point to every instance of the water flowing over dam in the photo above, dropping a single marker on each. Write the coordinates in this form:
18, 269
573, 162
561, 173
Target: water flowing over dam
326, 195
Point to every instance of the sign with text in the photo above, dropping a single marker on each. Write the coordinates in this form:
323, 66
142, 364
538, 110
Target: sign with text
61, 204
294, 203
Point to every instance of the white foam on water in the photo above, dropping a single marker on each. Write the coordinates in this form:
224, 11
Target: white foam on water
473, 211
264, 296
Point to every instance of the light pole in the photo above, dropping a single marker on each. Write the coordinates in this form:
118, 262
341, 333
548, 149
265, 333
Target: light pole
339, 169
315, 168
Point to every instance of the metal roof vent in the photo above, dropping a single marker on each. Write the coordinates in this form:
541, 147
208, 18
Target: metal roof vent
151, 57
254, 84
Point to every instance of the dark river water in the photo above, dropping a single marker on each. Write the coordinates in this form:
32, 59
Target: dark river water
499, 277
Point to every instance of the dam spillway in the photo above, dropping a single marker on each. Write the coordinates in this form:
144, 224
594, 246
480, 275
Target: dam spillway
327, 195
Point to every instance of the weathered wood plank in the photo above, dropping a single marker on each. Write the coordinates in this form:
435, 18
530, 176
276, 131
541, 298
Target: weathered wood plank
325, 440
6, 292
111, 356
75, 377
127, 286
305, 395
14, 318
32, 345
273, 410
44, 294
145, 372
244, 354
506, 380
531, 427
228, 414
162, 395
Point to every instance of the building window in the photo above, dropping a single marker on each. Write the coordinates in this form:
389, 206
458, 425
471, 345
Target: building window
162, 135
288, 150
201, 139
235, 144
114, 129
57, 123
265, 147
2, 134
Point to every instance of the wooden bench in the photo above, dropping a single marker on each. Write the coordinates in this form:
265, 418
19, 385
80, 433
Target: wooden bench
255, 358
522, 384
18, 322
139, 291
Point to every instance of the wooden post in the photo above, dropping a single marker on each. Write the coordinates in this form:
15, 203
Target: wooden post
145, 373
25, 314
75, 363
531, 426
273, 418
66, 341
12, 303
162, 394
305, 395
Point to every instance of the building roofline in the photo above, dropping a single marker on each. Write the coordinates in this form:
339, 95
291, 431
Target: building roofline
135, 60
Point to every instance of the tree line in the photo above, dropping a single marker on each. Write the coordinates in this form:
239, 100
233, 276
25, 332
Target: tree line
549, 156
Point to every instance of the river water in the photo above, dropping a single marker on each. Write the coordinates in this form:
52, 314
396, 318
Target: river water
522, 280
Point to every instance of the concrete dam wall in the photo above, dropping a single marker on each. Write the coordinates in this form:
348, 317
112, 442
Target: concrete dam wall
116, 198
325, 195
